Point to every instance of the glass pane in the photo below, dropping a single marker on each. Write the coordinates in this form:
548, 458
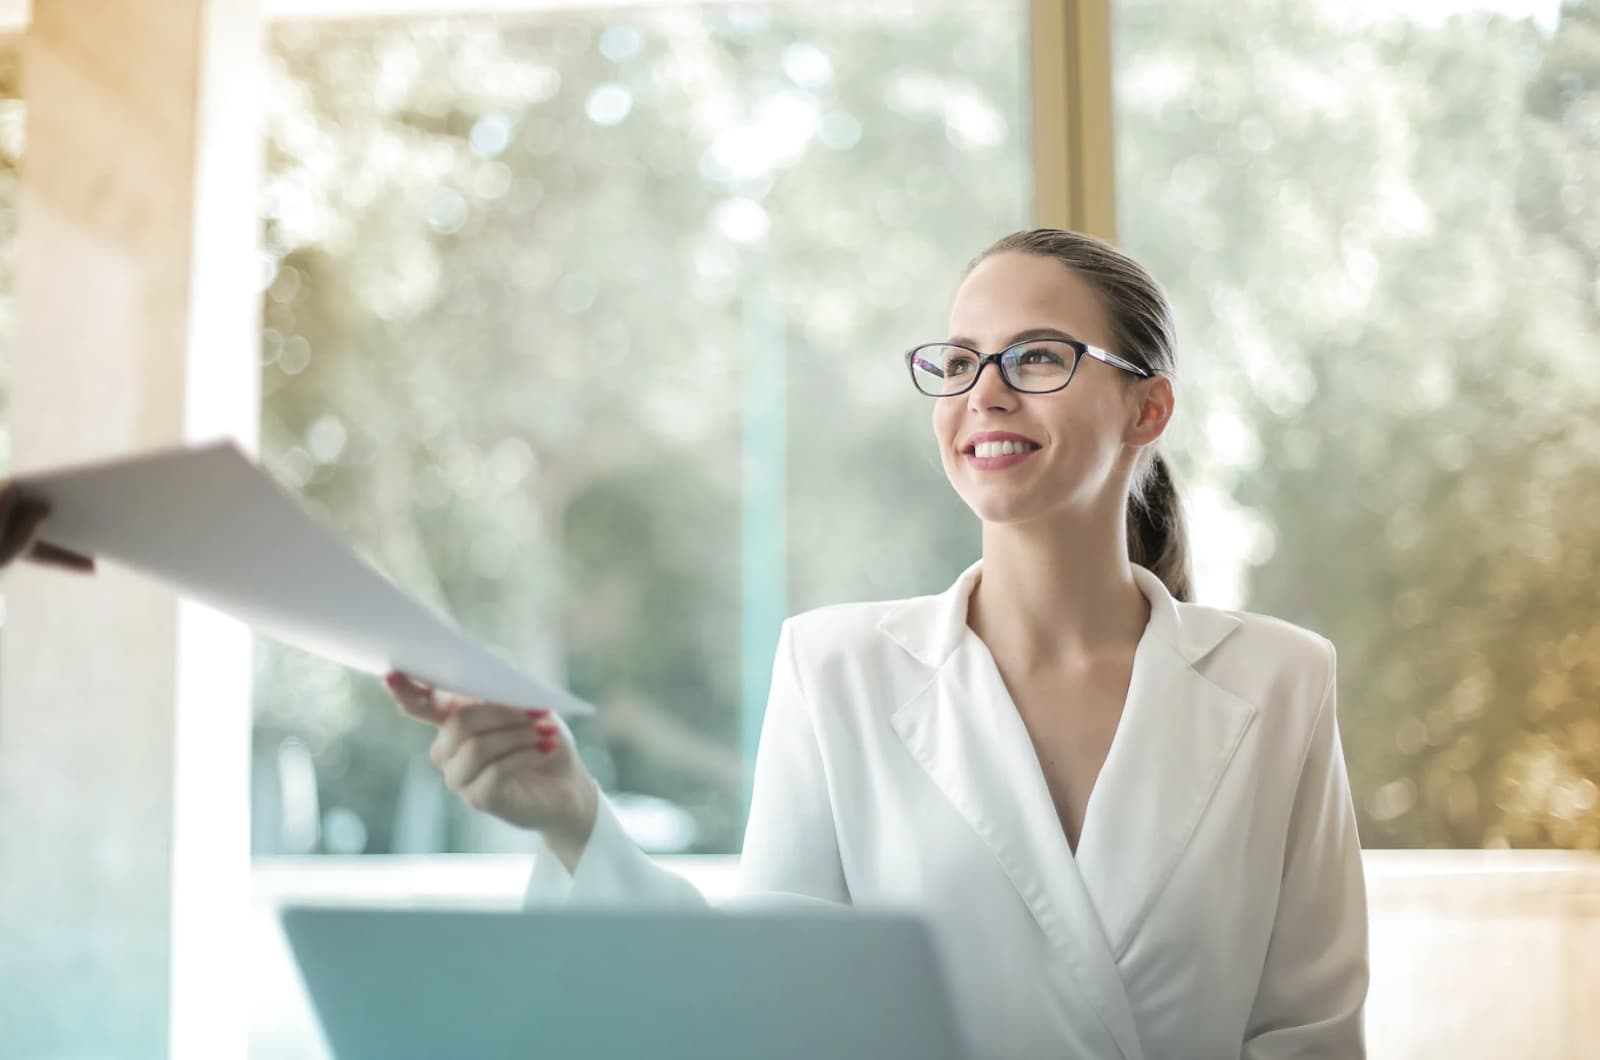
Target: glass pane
1381, 232
589, 329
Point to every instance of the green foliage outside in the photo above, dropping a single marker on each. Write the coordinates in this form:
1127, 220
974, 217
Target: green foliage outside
1383, 242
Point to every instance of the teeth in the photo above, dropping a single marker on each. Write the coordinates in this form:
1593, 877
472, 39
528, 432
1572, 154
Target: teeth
986, 450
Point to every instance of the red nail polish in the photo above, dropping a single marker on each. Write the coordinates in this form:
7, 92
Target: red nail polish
537, 713
544, 747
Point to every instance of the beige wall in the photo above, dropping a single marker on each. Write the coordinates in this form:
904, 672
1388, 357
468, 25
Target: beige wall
123, 795
1484, 955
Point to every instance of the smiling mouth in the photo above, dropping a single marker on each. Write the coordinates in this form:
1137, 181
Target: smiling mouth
991, 450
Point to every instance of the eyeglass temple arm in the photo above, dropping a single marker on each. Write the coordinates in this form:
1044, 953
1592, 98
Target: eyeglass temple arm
1117, 362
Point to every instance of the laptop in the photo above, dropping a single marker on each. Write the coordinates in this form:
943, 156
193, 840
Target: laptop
637, 985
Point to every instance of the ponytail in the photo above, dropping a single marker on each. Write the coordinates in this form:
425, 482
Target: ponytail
1156, 535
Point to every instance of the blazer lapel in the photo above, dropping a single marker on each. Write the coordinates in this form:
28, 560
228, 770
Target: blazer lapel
1177, 735
964, 731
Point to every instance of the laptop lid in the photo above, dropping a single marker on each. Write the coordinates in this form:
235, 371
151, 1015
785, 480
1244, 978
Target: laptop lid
699, 985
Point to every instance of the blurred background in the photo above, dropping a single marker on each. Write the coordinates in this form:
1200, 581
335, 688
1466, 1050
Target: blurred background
570, 321
585, 326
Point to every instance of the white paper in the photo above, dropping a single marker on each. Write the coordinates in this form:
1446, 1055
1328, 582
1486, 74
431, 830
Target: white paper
212, 525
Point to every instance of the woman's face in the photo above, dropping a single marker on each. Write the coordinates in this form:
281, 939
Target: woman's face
1079, 438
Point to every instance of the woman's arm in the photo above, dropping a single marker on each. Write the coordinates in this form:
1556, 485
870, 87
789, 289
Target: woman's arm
1314, 982
790, 847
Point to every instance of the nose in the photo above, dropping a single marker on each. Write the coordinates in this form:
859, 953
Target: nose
990, 390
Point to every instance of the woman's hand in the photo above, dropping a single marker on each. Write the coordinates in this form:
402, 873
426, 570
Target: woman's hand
19, 530
518, 765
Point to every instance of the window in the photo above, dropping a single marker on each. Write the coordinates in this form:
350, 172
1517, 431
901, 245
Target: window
1381, 232
586, 327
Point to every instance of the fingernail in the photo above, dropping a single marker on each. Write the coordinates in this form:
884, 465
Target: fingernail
544, 747
537, 713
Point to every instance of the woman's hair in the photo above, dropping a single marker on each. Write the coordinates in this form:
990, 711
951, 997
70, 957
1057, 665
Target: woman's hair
1141, 332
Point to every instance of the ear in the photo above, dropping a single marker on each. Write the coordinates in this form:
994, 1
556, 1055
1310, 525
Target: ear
1153, 405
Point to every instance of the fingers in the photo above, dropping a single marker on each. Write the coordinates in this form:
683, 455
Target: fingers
488, 791
478, 743
56, 556
19, 522
471, 720
482, 756
458, 719
416, 699
8, 501
19, 526
502, 760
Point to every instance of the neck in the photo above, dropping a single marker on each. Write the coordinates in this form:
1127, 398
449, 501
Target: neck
1057, 591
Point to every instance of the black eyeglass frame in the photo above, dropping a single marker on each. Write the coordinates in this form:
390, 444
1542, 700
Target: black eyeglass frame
1079, 350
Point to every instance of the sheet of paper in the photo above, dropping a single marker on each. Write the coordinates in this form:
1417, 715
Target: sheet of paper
212, 525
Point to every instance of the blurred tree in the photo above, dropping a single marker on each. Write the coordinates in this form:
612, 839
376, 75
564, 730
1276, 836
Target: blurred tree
1390, 340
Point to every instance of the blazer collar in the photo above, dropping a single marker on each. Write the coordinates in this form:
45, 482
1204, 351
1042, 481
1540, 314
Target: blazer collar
932, 627
1177, 734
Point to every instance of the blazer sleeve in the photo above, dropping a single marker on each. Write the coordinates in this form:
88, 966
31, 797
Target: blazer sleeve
790, 844
790, 848
1314, 983
611, 871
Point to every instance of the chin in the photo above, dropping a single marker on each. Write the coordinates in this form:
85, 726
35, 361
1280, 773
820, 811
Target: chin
1018, 508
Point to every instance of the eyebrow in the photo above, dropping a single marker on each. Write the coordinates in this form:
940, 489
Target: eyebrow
1021, 336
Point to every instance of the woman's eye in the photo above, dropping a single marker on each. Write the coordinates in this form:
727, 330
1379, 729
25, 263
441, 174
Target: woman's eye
1038, 357
957, 366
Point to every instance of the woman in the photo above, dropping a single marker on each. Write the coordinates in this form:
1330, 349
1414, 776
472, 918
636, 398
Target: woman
1125, 815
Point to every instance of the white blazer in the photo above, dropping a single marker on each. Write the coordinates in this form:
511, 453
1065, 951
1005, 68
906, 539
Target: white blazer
1215, 906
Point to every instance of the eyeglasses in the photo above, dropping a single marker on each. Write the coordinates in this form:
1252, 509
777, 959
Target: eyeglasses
1035, 366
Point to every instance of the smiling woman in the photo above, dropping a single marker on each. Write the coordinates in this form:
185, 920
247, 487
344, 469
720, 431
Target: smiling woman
1055, 760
